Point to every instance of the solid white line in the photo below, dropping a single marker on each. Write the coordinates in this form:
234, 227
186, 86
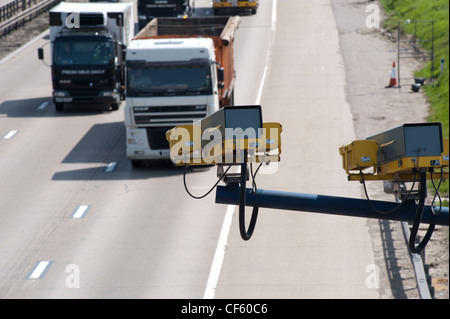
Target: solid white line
39, 269
219, 255
269, 51
81, 210
10, 134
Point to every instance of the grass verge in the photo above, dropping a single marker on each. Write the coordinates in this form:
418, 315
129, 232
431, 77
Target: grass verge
399, 11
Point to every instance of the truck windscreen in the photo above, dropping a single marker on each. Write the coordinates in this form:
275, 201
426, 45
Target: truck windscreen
155, 5
169, 81
69, 52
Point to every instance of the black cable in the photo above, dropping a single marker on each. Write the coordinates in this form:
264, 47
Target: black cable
253, 178
391, 210
212, 188
419, 213
415, 170
254, 188
245, 234
436, 192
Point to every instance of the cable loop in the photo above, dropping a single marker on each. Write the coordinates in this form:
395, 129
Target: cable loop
419, 213
245, 234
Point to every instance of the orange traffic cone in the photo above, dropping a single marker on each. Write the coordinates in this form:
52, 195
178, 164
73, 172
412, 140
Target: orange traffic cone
393, 80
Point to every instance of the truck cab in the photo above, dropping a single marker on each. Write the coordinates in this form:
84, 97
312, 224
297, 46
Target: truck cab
176, 84
87, 45
178, 72
149, 9
87, 68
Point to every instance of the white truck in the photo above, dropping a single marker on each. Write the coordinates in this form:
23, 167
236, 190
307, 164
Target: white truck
88, 42
150, 9
179, 71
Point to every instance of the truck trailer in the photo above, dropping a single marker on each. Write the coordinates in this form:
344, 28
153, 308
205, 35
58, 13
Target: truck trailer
150, 9
179, 71
87, 44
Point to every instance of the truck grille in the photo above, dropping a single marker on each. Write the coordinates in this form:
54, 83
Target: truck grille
153, 116
156, 137
84, 93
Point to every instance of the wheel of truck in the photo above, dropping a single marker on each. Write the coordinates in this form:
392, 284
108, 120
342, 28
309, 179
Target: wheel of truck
253, 11
136, 163
59, 107
115, 106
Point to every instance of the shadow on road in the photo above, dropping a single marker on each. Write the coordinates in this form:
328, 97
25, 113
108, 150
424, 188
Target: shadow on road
104, 144
43, 107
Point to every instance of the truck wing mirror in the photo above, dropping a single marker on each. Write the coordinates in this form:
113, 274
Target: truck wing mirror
40, 53
220, 75
123, 49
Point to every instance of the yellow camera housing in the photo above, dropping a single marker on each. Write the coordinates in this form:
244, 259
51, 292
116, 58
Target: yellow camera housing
398, 153
233, 129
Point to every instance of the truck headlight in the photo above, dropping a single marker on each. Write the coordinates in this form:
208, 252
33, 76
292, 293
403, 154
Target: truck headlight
109, 93
59, 93
137, 141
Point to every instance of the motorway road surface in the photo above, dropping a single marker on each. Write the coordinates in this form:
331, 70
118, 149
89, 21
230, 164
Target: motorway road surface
138, 234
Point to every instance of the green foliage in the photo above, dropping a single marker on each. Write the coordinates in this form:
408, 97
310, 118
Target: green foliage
398, 11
